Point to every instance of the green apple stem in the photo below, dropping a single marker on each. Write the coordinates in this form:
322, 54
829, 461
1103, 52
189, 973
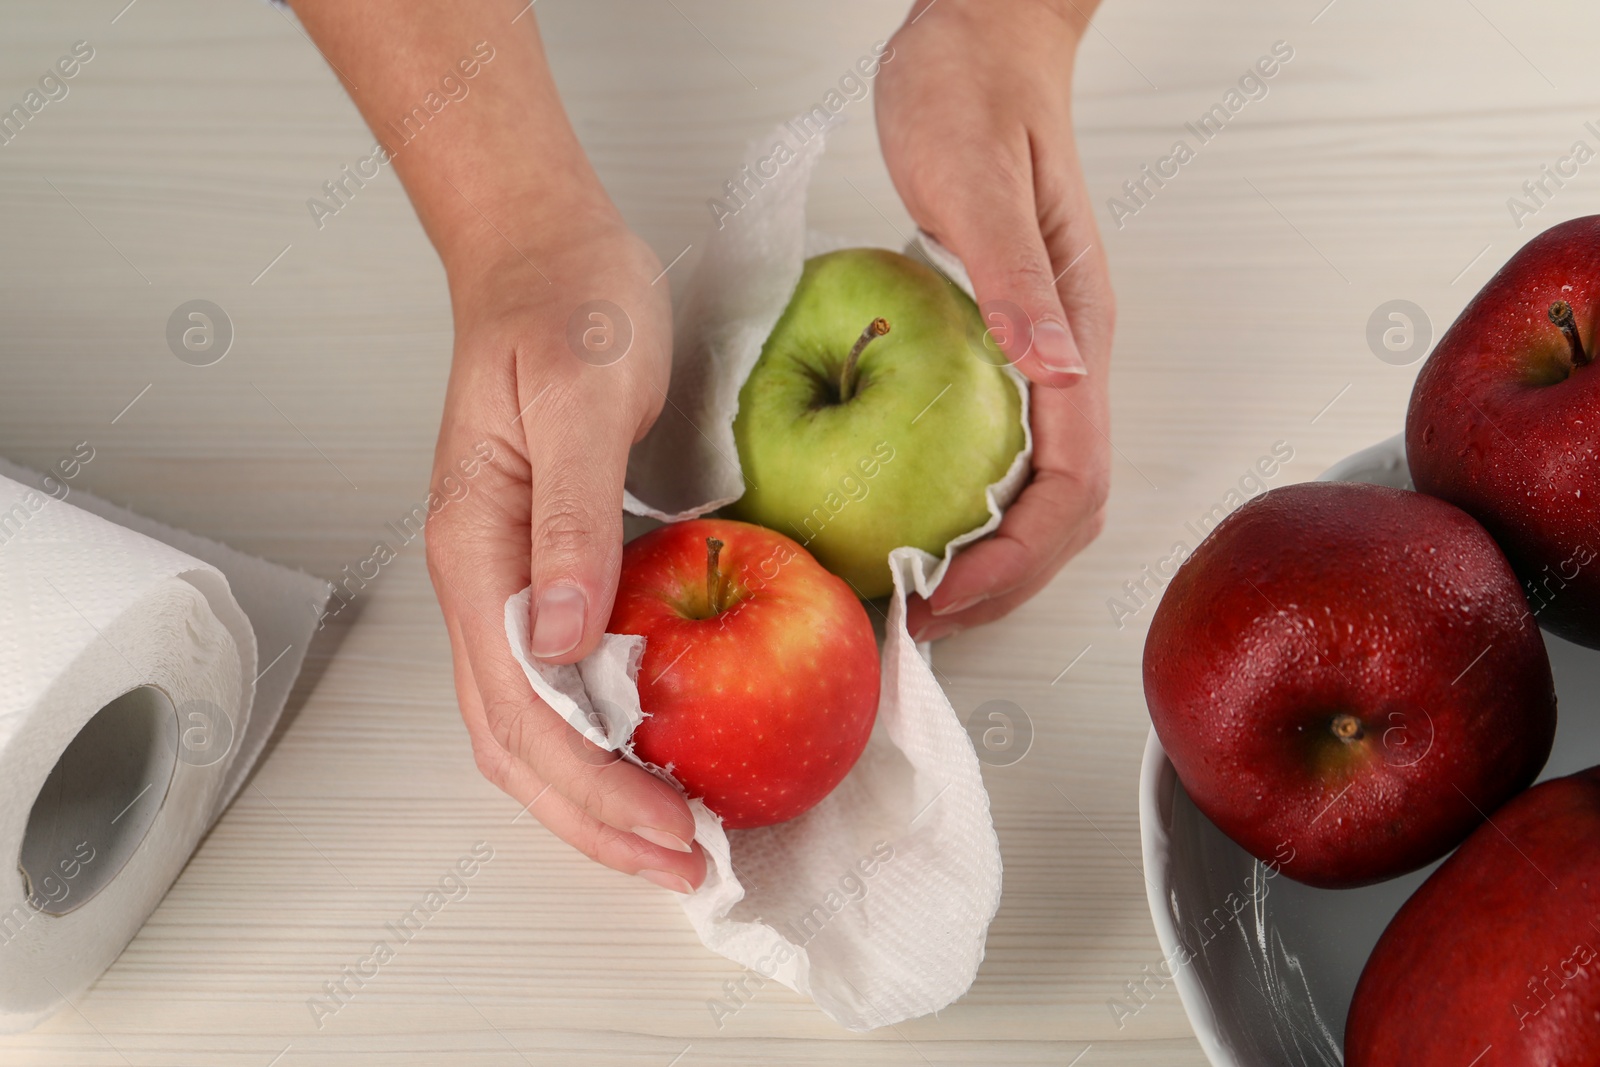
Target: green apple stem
1561, 315
847, 377
713, 576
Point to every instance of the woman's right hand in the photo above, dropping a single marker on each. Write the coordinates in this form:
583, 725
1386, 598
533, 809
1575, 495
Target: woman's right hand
541, 377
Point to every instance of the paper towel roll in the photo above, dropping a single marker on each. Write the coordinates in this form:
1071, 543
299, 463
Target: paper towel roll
127, 679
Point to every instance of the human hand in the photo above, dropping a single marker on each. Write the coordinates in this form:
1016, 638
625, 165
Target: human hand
559, 410
527, 236
975, 120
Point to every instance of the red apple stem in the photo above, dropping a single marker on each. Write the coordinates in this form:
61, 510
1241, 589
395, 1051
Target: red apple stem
847, 377
713, 576
1561, 316
1347, 727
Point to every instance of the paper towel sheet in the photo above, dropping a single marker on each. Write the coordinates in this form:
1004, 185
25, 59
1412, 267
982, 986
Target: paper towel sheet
876, 903
101, 609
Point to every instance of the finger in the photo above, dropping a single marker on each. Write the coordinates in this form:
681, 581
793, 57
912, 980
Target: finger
625, 852
996, 235
578, 457
1072, 446
1050, 511
681, 872
926, 626
1069, 483
613, 791
477, 555
1077, 255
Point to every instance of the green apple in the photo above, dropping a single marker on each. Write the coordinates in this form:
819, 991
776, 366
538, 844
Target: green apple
876, 415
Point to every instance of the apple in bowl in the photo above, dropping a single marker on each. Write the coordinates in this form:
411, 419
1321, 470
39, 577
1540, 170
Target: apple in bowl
1498, 948
875, 417
1346, 677
1504, 422
760, 676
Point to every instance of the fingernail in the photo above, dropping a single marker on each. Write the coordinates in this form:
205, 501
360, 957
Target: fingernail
959, 605
933, 631
662, 838
557, 621
1055, 348
667, 881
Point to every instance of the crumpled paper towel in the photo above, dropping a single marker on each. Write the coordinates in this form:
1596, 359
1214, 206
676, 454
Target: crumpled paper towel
102, 610
875, 903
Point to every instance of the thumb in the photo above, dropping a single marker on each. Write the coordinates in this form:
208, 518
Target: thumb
1004, 253
578, 456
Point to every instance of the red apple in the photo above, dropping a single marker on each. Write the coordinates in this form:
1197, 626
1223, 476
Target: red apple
1498, 949
1345, 677
1505, 422
760, 671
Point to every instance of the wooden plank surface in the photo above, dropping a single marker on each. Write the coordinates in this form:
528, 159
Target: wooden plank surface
1377, 167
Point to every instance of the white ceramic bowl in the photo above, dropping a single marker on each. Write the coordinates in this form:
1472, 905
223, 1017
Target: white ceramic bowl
1266, 966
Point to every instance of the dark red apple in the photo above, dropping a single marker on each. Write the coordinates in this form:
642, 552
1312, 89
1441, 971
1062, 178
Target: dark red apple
1498, 950
760, 671
1346, 677
1505, 422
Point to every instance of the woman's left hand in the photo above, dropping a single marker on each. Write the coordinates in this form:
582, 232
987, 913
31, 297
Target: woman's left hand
975, 119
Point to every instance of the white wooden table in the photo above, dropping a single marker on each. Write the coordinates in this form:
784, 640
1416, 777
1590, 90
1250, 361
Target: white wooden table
1377, 167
